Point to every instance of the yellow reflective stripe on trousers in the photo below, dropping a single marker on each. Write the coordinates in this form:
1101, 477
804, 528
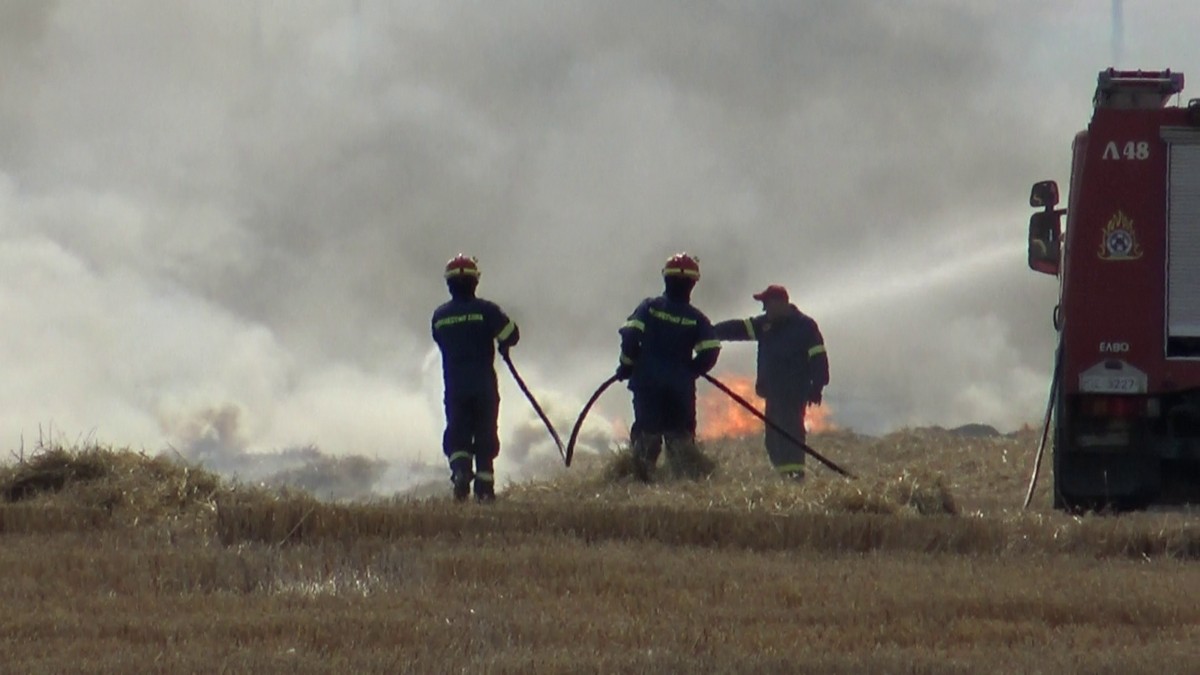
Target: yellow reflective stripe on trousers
790, 468
506, 331
819, 349
460, 455
750, 329
626, 361
706, 345
485, 476
635, 324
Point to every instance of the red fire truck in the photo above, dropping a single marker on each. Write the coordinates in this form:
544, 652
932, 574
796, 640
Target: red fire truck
1126, 390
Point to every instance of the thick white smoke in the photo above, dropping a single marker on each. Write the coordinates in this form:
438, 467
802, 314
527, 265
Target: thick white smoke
226, 206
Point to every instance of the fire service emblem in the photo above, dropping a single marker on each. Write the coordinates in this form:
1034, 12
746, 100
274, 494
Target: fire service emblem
1119, 240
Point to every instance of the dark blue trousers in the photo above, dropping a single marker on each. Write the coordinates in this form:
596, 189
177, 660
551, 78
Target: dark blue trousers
471, 435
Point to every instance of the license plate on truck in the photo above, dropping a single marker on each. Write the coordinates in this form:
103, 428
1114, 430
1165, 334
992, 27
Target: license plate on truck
1113, 377
1109, 384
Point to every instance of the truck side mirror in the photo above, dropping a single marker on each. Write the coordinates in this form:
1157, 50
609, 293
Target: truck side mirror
1045, 236
1044, 195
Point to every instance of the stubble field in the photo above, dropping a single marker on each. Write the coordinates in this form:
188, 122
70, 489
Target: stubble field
116, 562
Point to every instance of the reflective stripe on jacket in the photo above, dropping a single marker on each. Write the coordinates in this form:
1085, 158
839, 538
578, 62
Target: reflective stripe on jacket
466, 331
668, 343
791, 352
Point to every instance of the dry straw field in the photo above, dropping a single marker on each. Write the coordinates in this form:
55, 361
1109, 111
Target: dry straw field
116, 562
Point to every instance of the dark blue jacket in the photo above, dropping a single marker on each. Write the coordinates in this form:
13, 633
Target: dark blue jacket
669, 343
466, 331
791, 353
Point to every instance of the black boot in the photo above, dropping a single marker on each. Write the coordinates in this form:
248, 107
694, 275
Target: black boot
462, 485
485, 487
645, 452
484, 494
686, 460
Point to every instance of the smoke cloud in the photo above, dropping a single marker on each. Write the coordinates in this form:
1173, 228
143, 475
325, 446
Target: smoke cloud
225, 206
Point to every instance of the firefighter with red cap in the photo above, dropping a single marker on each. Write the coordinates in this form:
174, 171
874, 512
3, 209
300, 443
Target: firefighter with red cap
665, 345
793, 369
468, 330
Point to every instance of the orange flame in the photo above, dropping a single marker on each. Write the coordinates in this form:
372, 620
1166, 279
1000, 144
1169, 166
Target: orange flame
722, 417
819, 418
719, 416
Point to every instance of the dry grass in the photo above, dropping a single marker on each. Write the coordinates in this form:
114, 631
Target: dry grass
120, 562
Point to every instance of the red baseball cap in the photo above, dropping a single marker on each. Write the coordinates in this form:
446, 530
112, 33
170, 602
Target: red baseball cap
772, 292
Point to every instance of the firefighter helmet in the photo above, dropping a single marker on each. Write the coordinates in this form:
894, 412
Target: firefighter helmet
682, 265
462, 266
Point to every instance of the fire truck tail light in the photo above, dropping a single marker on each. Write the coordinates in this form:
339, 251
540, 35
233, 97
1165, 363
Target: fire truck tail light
1121, 407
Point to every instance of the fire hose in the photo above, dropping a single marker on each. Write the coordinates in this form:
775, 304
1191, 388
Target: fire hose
719, 385
1037, 461
537, 408
754, 411
582, 416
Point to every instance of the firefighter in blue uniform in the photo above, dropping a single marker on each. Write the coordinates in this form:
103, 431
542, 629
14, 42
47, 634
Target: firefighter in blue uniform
468, 331
793, 369
665, 345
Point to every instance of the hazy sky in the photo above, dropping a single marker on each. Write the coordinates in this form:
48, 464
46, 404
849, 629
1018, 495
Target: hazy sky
211, 206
